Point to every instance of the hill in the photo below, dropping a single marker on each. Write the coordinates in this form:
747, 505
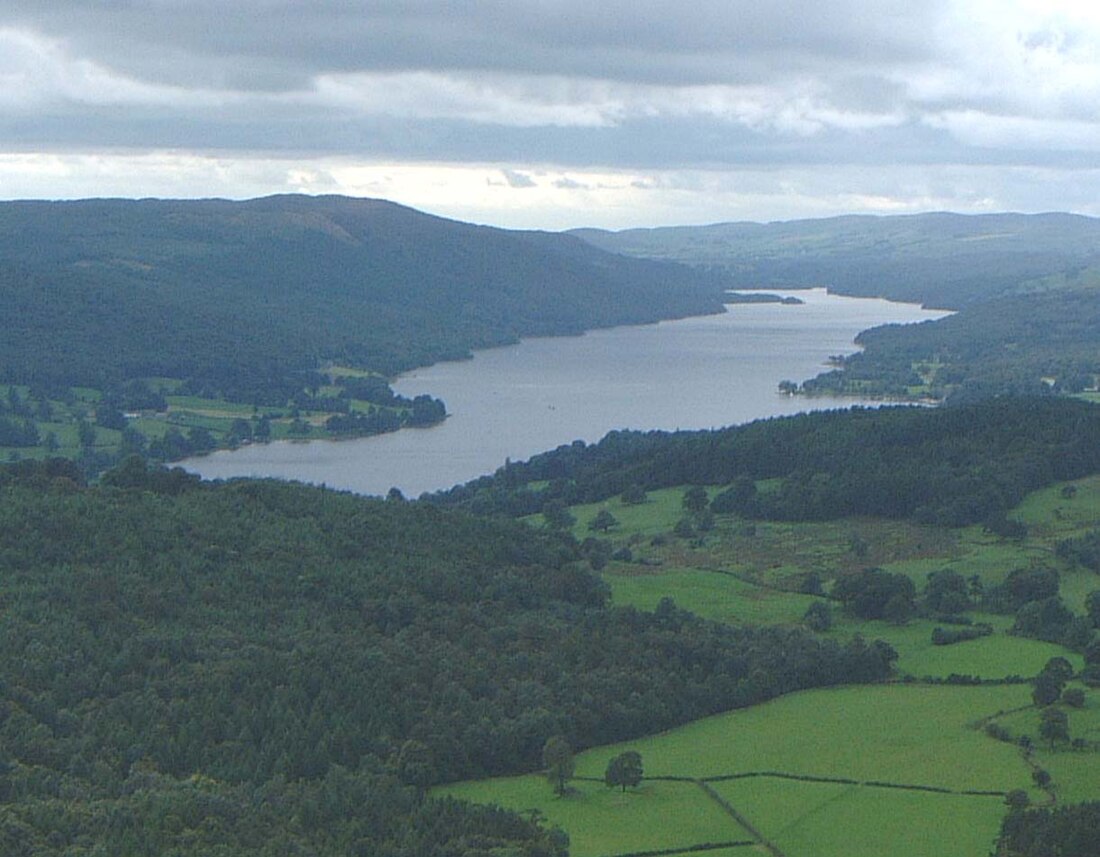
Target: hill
241, 294
938, 259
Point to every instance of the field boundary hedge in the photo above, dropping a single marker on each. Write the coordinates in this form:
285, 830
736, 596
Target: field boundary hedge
846, 781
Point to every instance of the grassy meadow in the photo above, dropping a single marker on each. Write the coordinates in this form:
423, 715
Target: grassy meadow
906, 735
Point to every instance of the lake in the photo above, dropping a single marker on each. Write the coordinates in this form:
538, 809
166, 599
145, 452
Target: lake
515, 401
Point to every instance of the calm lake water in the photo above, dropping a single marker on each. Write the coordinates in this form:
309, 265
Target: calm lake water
515, 401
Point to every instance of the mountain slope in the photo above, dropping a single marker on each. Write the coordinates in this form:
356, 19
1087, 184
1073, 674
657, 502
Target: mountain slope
101, 290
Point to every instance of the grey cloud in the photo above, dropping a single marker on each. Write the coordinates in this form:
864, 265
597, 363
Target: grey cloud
630, 84
263, 44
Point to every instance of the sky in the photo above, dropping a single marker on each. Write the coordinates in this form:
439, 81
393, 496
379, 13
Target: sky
558, 113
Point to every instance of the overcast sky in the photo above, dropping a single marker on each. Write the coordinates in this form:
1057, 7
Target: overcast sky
557, 113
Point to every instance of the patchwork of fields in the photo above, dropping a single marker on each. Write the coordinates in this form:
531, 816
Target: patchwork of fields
903, 768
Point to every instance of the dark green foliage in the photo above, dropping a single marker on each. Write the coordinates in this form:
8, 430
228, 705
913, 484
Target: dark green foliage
1074, 697
1065, 831
1083, 550
1048, 620
207, 669
1047, 689
943, 466
1092, 607
1092, 653
875, 594
950, 636
558, 516
1054, 726
624, 770
634, 495
1022, 586
557, 759
20, 433
684, 528
246, 299
1059, 667
596, 551
818, 617
737, 498
603, 521
695, 499
946, 592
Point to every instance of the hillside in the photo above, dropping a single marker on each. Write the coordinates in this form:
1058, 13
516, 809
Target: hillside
237, 294
940, 259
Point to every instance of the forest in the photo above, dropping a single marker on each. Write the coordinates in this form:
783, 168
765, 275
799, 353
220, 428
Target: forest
266, 668
246, 298
951, 466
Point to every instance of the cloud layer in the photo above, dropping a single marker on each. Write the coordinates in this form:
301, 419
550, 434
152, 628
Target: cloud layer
883, 104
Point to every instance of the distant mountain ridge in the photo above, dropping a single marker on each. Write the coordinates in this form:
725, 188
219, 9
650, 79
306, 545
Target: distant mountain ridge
105, 289
940, 259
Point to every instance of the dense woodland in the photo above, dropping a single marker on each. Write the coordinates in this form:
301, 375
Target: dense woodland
953, 466
246, 298
263, 668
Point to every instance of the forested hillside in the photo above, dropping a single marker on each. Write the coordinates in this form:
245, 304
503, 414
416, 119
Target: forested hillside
262, 668
239, 295
954, 466
1037, 344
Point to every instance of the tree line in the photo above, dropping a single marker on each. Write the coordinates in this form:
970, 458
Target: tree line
949, 466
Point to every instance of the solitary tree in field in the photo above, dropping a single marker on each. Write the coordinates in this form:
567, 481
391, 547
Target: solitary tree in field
624, 770
557, 756
603, 521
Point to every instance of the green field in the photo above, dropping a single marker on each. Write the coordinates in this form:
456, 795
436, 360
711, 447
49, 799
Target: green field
602, 821
824, 820
906, 735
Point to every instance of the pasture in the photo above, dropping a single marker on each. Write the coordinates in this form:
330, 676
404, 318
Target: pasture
880, 740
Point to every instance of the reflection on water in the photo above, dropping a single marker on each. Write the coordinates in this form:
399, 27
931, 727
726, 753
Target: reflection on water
516, 401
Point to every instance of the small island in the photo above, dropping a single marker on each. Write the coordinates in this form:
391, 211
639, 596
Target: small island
761, 298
